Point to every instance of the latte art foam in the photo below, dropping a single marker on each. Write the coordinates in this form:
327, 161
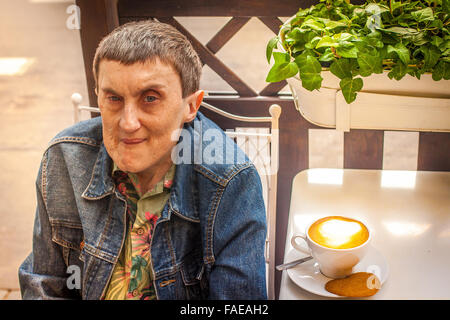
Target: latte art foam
338, 232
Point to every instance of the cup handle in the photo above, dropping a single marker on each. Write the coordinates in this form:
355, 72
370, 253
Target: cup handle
297, 246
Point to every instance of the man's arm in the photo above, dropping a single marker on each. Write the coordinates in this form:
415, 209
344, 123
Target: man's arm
43, 273
239, 238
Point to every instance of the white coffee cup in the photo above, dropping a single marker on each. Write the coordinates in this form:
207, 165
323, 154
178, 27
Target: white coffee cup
333, 263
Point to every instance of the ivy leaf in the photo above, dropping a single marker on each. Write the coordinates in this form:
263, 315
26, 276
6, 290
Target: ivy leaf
282, 68
423, 15
436, 24
327, 41
270, 46
347, 51
398, 71
396, 4
349, 88
313, 24
374, 9
344, 36
431, 56
310, 73
436, 41
419, 39
401, 51
327, 56
341, 68
281, 57
282, 71
312, 44
442, 70
447, 71
401, 31
446, 6
418, 73
295, 34
332, 25
374, 39
369, 64
301, 59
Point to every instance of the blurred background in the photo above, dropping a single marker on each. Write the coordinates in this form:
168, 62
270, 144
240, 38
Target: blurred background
41, 65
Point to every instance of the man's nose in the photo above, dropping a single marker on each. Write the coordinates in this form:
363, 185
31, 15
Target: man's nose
129, 121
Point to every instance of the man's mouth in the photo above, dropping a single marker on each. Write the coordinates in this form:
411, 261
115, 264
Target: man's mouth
132, 141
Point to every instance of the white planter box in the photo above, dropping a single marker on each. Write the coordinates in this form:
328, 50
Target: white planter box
409, 104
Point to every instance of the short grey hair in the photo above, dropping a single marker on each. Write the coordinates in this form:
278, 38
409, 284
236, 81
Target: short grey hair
140, 41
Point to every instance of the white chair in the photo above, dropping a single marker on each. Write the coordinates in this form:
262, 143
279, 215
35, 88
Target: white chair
261, 146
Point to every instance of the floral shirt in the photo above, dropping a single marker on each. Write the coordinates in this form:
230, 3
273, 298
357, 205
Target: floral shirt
132, 275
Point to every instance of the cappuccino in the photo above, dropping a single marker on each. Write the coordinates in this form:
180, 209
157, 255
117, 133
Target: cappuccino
338, 232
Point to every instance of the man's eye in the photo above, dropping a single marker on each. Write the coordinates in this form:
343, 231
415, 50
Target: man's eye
114, 98
149, 98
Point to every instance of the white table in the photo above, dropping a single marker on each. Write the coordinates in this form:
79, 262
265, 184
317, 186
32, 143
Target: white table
408, 212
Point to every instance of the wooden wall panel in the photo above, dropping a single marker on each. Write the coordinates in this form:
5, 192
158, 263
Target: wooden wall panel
363, 149
212, 8
98, 18
434, 151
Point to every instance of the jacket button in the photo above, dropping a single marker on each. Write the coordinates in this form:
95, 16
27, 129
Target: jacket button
135, 292
140, 231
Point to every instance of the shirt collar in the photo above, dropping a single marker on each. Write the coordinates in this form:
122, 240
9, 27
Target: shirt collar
101, 183
165, 183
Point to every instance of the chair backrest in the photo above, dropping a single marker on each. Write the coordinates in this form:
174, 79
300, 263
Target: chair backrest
261, 146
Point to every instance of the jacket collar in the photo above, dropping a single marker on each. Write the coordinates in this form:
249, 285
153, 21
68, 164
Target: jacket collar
101, 183
182, 195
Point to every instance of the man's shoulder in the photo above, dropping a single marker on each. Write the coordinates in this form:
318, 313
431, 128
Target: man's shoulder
87, 132
221, 159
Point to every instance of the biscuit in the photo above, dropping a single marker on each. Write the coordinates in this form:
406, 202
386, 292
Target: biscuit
360, 284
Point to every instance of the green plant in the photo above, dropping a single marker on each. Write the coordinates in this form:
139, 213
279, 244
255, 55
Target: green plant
355, 41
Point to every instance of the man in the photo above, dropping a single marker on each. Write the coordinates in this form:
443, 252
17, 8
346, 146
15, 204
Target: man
119, 216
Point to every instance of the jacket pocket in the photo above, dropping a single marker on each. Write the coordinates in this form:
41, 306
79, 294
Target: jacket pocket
67, 234
70, 237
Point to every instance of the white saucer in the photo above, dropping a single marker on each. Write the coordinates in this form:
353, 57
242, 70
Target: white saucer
308, 276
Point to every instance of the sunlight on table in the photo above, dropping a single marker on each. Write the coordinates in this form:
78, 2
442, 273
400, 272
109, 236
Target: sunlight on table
398, 179
401, 229
326, 176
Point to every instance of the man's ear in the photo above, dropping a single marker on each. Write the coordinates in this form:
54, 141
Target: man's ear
193, 103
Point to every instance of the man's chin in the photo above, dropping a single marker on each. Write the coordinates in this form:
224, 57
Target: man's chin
129, 167
132, 170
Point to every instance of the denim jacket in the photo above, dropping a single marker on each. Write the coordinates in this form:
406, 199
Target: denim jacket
207, 244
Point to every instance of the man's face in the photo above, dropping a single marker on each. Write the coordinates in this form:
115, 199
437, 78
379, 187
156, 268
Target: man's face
141, 106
